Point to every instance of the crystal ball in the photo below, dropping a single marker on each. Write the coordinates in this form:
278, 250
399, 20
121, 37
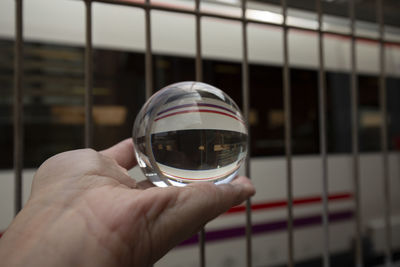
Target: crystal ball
190, 132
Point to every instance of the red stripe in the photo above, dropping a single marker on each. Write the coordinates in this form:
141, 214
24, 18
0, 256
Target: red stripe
284, 203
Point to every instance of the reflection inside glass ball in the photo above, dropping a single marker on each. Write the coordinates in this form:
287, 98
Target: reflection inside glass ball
190, 132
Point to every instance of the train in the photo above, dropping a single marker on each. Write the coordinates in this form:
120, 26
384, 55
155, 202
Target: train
54, 36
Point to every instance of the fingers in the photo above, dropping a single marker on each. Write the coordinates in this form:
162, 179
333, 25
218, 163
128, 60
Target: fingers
123, 153
201, 201
176, 213
214, 200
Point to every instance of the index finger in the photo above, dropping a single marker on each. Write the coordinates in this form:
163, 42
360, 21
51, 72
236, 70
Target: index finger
123, 153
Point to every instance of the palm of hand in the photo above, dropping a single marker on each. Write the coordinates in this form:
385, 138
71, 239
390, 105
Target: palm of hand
116, 211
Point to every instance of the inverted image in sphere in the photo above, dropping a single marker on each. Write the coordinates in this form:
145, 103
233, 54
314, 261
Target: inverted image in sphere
190, 132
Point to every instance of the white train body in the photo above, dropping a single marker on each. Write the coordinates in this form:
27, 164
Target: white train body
122, 28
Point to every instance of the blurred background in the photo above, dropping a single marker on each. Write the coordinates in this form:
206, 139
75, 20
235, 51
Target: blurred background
54, 114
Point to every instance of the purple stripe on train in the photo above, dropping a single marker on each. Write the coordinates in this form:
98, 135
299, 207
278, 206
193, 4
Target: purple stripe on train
197, 105
262, 228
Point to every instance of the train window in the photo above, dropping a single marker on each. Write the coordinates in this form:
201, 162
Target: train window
6, 103
267, 115
369, 114
305, 129
266, 118
172, 69
118, 95
53, 78
393, 96
338, 112
54, 95
226, 76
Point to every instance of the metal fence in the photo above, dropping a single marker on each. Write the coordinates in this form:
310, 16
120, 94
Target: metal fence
147, 6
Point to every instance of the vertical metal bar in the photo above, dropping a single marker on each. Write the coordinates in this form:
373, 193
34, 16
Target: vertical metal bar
88, 77
355, 152
148, 56
384, 134
322, 137
202, 247
18, 106
246, 108
199, 78
199, 65
288, 134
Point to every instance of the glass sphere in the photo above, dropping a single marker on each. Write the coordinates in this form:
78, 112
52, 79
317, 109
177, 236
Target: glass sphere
190, 132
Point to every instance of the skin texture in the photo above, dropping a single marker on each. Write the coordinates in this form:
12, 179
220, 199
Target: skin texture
85, 210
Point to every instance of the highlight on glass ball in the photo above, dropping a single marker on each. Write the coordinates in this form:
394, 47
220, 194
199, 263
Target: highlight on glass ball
190, 132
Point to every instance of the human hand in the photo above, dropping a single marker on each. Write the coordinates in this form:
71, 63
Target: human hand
85, 210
